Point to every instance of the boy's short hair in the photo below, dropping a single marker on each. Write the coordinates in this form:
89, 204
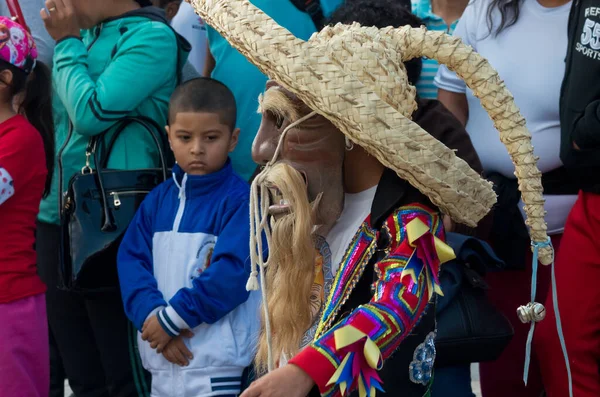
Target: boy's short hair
205, 95
381, 14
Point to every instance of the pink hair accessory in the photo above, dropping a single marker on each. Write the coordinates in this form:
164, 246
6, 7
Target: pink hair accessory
16, 45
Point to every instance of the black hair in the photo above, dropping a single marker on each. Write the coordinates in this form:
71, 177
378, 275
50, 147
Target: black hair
204, 94
144, 3
381, 14
36, 106
509, 14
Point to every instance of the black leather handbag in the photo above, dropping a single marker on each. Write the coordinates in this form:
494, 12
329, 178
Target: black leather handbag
98, 207
469, 328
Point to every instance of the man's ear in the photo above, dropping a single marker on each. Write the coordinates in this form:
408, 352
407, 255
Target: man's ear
172, 9
6, 77
235, 136
169, 136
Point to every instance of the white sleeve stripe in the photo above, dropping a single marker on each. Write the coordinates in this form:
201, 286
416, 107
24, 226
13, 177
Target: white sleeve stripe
165, 324
7, 189
176, 318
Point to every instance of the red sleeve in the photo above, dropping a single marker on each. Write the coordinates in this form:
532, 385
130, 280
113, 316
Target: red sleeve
17, 144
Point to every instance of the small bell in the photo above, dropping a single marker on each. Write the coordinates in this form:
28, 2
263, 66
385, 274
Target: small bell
532, 312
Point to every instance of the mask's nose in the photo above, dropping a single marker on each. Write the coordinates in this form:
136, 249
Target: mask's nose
264, 145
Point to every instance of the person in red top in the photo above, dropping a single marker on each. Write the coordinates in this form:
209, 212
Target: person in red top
26, 154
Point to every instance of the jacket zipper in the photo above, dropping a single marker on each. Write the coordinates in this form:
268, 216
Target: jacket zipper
181, 207
61, 193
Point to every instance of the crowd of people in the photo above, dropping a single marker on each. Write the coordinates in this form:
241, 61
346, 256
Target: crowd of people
200, 123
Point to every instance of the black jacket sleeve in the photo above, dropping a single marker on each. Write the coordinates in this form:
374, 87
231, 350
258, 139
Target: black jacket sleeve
586, 131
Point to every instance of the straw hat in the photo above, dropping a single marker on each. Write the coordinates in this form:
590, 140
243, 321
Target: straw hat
355, 77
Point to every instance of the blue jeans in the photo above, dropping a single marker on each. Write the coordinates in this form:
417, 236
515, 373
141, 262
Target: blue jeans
452, 382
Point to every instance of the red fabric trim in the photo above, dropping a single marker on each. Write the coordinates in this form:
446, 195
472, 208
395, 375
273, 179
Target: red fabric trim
19, 286
363, 323
316, 365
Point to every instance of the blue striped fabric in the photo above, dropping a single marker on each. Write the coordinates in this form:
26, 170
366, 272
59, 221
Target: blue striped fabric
231, 384
422, 9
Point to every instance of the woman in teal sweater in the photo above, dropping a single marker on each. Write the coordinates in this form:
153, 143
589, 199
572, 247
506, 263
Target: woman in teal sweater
113, 58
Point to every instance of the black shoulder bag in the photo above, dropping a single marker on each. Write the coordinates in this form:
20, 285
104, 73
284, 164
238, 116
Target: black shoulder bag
98, 207
469, 328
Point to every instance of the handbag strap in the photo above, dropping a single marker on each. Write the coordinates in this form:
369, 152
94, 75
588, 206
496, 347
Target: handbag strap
100, 164
148, 123
17, 15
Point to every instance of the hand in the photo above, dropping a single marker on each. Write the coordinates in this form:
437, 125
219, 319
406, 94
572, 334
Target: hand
60, 19
288, 381
575, 146
154, 333
176, 351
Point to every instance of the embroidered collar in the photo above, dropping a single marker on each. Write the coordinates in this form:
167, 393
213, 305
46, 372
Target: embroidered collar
392, 193
353, 264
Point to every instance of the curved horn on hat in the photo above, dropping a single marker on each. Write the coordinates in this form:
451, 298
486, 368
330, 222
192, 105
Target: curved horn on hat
486, 85
495, 98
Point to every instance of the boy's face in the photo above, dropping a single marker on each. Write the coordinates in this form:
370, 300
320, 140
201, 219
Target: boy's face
200, 142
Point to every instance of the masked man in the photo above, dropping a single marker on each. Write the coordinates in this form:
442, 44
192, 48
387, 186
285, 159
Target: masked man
350, 202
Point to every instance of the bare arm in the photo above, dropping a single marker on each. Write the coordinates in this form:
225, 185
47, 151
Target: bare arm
209, 64
456, 103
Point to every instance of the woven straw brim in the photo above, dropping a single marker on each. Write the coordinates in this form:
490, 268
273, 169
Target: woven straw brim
327, 82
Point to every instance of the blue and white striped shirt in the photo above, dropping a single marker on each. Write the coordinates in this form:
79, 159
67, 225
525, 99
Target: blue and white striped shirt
422, 8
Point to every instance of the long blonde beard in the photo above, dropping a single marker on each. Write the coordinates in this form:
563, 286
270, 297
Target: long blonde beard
290, 272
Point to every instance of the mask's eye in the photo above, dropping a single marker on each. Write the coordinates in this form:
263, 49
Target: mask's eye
278, 121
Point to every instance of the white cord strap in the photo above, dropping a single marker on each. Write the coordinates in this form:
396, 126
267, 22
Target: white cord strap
535, 312
559, 329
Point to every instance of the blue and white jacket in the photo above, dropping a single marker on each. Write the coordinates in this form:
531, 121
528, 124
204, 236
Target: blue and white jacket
185, 257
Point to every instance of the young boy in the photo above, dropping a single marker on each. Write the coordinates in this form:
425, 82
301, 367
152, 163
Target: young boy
183, 263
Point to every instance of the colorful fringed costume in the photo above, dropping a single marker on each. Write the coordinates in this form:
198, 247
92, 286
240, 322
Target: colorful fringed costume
347, 353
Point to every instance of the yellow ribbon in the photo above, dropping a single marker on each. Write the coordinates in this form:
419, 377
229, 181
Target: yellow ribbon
416, 229
345, 337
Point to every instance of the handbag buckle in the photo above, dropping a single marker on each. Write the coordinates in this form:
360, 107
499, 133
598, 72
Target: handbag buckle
87, 169
91, 149
116, 200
